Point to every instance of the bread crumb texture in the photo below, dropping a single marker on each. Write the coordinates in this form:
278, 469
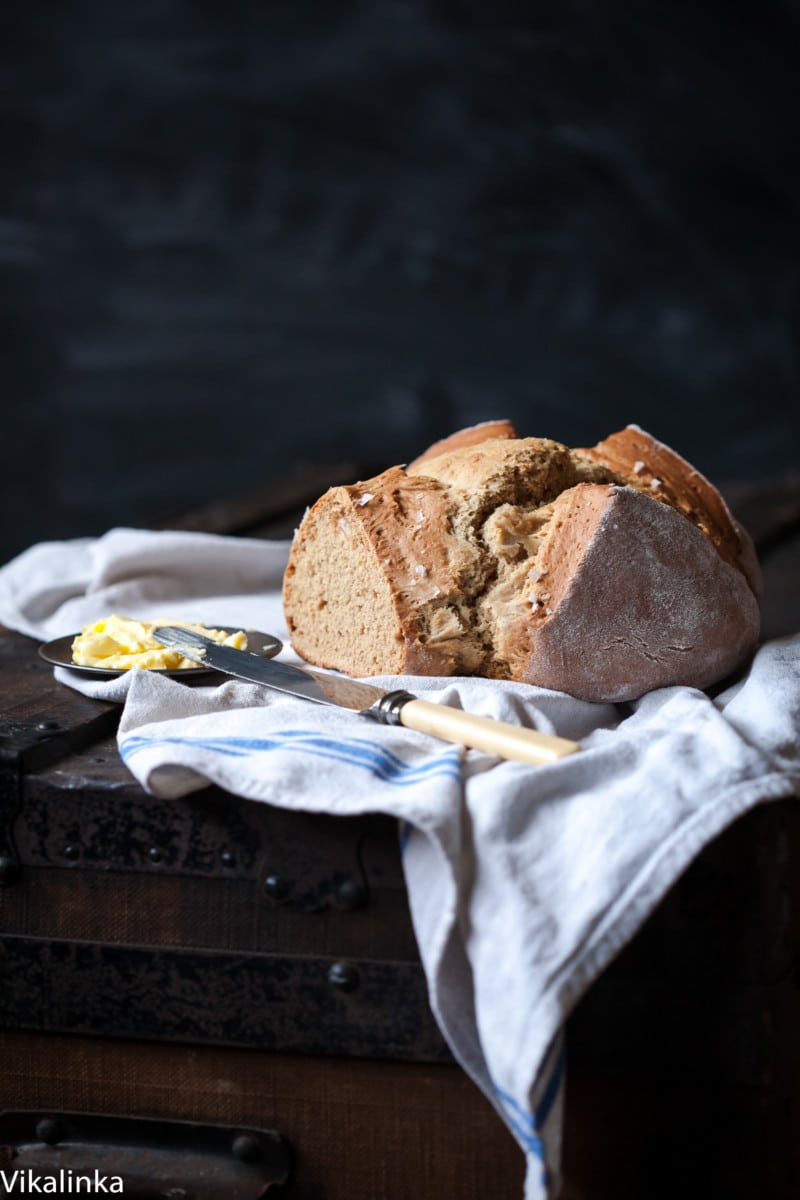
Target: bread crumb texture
601, 572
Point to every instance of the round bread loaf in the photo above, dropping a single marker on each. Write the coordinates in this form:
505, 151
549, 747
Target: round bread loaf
602, 572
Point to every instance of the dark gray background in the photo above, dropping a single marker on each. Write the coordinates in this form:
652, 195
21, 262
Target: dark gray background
236, 237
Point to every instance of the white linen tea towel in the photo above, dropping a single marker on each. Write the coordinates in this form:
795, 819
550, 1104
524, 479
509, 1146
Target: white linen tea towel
523, 882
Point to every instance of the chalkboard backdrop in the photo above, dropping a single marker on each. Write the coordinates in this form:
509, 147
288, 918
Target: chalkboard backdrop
235, 237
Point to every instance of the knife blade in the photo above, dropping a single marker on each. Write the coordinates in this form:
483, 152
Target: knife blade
388, 707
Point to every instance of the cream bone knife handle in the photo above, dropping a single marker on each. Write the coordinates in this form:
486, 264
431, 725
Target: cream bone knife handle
467, 729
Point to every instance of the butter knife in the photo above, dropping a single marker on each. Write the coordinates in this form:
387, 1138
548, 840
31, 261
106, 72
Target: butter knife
388, 707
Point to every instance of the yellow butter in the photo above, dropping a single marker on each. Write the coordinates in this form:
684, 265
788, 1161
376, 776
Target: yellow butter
119, 643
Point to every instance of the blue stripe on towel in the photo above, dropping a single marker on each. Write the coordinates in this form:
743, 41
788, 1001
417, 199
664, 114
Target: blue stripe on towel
355, 752
406, 830
551, 1090
524, 1123
518, 1121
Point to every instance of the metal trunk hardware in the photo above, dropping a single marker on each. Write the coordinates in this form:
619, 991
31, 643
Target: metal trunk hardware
139, 1158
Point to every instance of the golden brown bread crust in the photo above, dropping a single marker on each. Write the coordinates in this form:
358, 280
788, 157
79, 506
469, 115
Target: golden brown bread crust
650, 466
602, 572
471, 436
393, 532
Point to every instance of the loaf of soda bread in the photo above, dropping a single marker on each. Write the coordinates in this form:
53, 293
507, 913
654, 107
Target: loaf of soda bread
602, 572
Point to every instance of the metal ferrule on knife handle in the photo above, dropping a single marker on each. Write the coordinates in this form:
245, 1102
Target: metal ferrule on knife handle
387, 710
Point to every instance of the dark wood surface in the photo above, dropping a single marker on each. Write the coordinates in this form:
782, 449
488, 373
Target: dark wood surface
692, 1032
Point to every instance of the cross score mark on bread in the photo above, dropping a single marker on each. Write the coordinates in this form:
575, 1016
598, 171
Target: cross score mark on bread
602, 572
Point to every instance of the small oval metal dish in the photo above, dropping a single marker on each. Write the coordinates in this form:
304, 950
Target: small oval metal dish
59, 654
